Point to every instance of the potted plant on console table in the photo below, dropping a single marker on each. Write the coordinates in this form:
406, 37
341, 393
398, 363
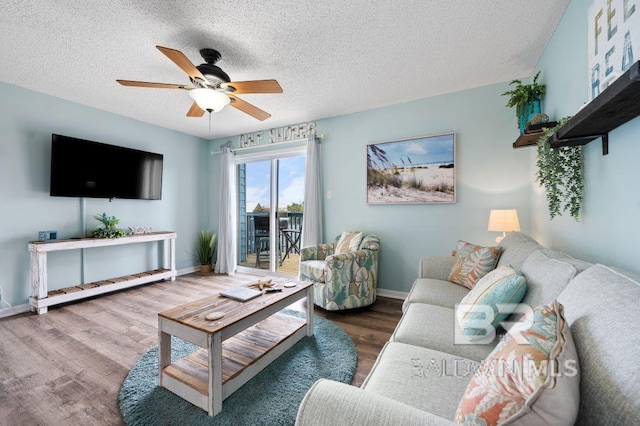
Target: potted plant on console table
108, 228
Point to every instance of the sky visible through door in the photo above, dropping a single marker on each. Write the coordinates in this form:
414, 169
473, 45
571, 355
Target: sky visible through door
290, 183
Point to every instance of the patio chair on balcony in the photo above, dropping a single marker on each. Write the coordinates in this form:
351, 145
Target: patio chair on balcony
262, 238
292, 234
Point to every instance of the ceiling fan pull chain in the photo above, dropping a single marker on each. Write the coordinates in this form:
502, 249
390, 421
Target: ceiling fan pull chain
209, 121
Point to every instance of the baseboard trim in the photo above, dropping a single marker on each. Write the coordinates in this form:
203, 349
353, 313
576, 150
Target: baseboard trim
392, 294
186, 271
15, 310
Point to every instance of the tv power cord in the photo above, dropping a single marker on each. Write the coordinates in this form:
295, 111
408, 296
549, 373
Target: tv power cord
2, 299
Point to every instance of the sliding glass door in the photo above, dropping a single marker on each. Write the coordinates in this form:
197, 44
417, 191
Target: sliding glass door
270, 209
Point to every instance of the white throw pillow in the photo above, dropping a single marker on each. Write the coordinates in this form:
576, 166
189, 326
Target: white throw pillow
349, 241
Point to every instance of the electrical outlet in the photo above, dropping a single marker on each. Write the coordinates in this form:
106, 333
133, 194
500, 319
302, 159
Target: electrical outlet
329, 195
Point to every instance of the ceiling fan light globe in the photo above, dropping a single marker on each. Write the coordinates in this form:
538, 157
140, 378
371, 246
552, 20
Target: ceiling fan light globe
209, 99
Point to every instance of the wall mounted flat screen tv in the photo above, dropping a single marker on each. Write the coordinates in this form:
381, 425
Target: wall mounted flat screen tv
82, 168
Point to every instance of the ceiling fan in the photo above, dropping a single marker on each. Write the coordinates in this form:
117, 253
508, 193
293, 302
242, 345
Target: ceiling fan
211, 87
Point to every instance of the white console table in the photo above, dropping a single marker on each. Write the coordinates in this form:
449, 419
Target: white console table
41, 298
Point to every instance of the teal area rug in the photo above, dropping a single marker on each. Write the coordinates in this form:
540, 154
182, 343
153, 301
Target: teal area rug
270, 398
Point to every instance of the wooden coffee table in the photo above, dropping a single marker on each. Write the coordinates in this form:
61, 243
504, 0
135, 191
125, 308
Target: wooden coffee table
234, 348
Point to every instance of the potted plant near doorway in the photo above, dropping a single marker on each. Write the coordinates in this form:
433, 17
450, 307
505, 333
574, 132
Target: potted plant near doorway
205, 250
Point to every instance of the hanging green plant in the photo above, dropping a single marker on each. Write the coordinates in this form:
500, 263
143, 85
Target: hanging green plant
108, 228
560, 172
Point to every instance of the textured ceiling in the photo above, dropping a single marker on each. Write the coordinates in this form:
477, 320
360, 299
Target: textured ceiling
331, 57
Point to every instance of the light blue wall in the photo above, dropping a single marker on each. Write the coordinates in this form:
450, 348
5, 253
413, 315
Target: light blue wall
27, 120
610, 227
490, 174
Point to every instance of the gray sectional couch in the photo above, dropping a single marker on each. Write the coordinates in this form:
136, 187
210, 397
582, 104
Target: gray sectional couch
419, 376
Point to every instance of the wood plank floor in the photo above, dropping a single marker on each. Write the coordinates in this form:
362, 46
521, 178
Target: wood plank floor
290, 265
66, 367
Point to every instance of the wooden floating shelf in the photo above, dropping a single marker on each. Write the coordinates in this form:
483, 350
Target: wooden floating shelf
532, 133
615, 106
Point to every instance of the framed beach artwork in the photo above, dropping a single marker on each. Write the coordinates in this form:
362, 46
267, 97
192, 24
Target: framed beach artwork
412, 171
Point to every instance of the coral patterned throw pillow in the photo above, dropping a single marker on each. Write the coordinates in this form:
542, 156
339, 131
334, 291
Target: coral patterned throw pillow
531, 378
473, 262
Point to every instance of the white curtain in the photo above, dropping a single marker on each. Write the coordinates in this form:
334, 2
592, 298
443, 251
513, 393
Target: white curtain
312, 218
226, 260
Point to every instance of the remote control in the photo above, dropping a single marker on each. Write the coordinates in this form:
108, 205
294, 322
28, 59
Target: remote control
272, 290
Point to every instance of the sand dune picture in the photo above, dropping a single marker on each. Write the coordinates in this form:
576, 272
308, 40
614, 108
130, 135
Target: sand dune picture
410, 171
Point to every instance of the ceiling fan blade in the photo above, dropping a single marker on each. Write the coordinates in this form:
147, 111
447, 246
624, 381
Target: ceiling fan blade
195, 111
153, 85
254, 86
182, 61
248, 108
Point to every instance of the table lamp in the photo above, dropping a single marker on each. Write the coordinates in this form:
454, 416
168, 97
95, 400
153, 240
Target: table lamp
503, 221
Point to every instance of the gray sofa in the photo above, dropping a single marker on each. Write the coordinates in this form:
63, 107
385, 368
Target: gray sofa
410, 382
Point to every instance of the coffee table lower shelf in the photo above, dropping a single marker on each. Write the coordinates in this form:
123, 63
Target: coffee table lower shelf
243, 356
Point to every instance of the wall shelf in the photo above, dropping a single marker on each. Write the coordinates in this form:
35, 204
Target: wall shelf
615, 106
532, 133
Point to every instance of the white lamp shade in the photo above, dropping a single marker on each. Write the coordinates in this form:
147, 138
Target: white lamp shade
209, 99
504, 221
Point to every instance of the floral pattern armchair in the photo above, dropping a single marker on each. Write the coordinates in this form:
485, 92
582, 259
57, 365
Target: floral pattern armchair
342, 281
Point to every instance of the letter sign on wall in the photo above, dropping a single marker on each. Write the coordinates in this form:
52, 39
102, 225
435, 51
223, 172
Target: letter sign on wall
614, 41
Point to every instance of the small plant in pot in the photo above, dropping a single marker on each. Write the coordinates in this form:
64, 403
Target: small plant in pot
526, 98
205, 250
107, 229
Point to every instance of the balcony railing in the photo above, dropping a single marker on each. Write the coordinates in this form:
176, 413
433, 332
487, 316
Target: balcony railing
289, 221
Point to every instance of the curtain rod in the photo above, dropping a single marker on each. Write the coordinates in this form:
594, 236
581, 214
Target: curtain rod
320, 136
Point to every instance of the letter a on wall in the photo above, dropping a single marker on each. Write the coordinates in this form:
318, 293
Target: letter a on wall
614, 41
